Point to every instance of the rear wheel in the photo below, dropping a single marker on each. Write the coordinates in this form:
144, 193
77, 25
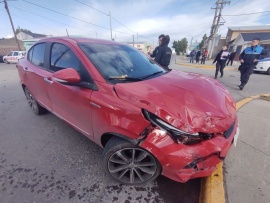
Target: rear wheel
129, 164
37, 109
268, 71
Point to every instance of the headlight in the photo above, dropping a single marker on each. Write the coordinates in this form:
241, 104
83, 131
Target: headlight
176, 134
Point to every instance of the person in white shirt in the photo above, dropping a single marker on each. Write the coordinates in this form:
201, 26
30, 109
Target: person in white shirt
221, 59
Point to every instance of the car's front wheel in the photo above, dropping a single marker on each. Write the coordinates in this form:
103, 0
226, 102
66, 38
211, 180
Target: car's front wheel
5, 60
37, 109
128, 163
268, 71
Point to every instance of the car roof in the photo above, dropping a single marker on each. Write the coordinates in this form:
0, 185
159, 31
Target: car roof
79, 40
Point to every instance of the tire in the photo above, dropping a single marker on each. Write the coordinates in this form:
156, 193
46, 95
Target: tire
6, 62
268, 71
129, 164
35, 106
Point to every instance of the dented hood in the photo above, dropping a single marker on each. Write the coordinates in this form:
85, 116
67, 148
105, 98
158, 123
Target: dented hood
188, 101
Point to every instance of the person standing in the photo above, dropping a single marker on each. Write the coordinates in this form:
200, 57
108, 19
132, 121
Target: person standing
198, 55
231, 58
153, 55
191, 56
204, 56
249, 59
221, 59
164, 53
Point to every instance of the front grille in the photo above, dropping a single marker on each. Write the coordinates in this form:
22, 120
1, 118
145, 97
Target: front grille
228, 132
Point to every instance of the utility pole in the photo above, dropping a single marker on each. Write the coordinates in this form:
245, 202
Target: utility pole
67, 32
137, 39
111, 24
133, 40
6, 7
216, 23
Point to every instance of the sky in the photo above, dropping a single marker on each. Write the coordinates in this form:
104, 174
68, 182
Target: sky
145, 19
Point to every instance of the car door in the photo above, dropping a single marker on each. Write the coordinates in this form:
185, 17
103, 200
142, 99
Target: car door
8, 57
71, 103
15, 56
36, 71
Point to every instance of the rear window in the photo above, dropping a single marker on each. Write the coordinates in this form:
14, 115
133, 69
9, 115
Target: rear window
36, 54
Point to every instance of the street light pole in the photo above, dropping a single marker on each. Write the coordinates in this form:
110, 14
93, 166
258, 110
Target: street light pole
111, 24
6, 7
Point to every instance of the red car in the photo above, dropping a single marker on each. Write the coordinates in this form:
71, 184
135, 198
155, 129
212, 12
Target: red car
149, 120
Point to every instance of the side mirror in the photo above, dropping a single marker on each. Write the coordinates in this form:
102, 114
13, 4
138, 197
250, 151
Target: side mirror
68, 76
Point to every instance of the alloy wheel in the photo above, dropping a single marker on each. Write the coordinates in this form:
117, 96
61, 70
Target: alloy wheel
31, 101
132, 165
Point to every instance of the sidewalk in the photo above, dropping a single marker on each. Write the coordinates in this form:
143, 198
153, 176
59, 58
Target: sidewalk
247, 166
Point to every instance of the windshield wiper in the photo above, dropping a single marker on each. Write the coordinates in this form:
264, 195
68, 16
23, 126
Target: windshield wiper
124, 78
152, 74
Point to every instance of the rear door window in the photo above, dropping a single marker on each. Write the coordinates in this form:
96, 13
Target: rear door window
36, 54
15, 53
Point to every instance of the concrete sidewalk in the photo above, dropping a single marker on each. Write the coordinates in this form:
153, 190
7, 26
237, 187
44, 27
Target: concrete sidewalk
247, 167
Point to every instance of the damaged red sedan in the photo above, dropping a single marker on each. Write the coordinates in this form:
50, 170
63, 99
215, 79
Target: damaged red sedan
149, 120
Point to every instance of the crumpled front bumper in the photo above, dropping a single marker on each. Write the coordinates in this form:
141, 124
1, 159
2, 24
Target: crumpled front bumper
183, 162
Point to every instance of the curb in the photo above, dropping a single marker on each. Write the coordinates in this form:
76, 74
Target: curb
202, 66
212, 187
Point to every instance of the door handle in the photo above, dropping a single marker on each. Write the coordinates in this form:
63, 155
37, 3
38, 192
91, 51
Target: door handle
48, 81
25, 69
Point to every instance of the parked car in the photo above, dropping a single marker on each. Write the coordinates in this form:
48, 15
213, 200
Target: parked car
14, 56
1, 59
150, 120
263, 66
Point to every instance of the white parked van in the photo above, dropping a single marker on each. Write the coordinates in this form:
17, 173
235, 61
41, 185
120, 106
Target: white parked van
14, 56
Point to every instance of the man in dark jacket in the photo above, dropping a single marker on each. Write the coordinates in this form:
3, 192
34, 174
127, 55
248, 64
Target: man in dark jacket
249, 59
191, 56
231, 58
198, 55
221, 59
153, 55
164, 53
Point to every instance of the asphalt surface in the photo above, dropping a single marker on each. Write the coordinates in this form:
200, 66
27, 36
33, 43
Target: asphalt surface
258, 83
43, 159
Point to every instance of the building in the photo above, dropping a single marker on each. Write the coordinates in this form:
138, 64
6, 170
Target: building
233, 32
26, 35
8, 45
244, 40
142, 46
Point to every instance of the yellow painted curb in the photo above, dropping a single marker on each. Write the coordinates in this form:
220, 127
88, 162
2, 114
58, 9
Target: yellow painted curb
212, 187
201, 66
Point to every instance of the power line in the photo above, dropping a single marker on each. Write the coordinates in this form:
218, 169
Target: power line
52, 19
72, 17
93, 8
66, 15
106, 15
243, 14
123, 25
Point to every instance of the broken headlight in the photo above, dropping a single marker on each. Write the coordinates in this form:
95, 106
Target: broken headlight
176, 134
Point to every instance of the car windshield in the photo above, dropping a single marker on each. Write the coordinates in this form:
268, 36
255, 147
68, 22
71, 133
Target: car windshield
121, 63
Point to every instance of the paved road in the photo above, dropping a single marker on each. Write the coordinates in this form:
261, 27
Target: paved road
259, 83
42, 159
